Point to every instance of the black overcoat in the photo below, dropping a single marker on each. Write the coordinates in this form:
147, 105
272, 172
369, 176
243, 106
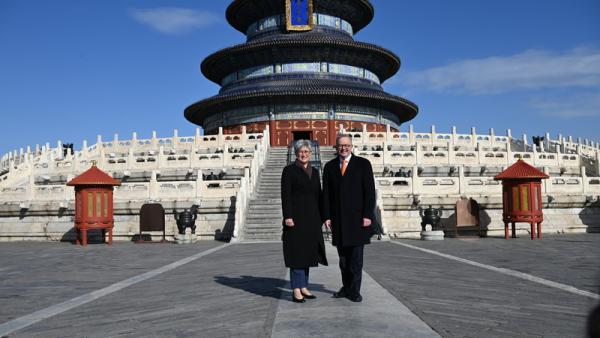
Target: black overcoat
348, 199
303, 244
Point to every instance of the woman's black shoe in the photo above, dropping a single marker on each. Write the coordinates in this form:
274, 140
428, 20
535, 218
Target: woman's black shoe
298, 300
309, 296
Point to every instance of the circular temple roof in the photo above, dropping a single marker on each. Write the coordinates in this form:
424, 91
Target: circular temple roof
288, 91
242, 13
298, 48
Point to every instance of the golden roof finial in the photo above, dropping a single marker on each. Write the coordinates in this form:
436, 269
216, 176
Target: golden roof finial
94, 163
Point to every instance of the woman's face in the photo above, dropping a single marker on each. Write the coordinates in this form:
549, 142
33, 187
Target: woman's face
303, 155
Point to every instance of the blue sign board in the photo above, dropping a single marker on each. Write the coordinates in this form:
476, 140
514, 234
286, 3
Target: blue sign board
299, 15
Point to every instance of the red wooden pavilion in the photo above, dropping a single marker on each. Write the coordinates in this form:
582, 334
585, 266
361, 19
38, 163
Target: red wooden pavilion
522, 197
93, 203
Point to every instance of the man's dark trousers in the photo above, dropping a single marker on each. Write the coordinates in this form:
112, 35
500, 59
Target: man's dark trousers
351, 264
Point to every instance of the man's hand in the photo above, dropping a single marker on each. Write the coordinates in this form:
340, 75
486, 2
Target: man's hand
289, 222
328, 223
366, 222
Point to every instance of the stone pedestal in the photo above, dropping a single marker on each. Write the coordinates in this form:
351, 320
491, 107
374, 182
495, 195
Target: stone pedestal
187, 238
437, 235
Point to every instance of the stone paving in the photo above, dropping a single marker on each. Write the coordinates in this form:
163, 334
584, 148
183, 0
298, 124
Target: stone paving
467, 287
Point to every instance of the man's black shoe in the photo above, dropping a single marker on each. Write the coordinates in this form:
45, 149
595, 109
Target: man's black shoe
340, 294
355, 298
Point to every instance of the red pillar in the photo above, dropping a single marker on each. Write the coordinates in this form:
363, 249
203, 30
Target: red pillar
272, 132
331, 134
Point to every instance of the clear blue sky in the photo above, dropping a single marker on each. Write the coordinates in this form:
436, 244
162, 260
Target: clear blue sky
72, 69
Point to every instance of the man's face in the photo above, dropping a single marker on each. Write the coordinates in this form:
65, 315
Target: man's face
344, 146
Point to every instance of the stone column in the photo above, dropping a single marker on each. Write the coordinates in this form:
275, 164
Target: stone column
462, 182
454, 137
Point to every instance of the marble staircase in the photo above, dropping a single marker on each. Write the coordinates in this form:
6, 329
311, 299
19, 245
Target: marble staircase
264, 217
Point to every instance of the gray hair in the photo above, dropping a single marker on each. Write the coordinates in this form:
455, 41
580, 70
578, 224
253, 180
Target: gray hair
339, 136
302, 144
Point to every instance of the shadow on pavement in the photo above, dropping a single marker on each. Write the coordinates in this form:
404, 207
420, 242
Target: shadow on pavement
265, 286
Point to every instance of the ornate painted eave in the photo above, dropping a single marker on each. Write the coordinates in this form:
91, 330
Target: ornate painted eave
242, 13
302, 91
301, 48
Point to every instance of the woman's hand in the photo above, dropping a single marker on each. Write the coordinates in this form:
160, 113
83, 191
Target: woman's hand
289, 222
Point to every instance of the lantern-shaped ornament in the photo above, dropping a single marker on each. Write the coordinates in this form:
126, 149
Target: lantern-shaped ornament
93, 203
522, 197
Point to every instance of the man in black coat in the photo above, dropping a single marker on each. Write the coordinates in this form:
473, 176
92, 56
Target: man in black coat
348, 204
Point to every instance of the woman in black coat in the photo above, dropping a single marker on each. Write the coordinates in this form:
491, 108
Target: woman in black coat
303, 244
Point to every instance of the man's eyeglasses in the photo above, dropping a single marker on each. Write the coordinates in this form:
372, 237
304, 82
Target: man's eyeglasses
344, 146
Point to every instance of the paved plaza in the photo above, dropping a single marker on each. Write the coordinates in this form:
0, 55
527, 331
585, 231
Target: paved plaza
467, 287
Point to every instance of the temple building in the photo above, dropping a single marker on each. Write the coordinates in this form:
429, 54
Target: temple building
301, 73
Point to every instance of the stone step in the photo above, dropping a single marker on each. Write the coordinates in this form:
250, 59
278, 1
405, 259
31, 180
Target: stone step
270, 234
256, 228
265, 209
266, 219
273, 233
263, 198
249, 228
272, 218
258, 197
267, 232
269, 186
270, 238
270, 207
264, 212
266, 205
274, 204
275, 192
262, 229
268, 191
261, 239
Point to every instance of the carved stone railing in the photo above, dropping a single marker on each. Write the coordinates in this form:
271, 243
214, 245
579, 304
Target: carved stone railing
210, 151
33, 180
462, 185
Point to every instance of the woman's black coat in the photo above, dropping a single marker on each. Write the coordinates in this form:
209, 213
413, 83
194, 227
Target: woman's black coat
303, 244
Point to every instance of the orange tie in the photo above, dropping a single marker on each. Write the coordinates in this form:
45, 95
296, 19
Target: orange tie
344, 165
